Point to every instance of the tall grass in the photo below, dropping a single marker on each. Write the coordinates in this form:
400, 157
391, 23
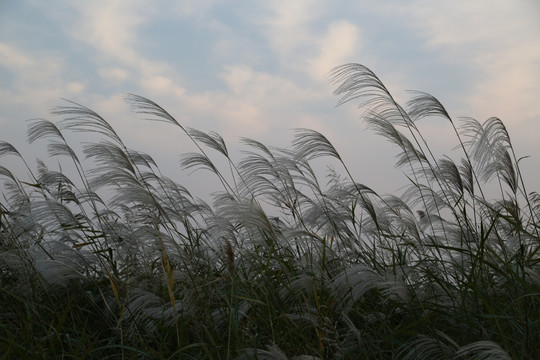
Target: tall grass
118, 261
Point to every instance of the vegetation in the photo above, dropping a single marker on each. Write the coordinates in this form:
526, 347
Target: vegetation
120, 262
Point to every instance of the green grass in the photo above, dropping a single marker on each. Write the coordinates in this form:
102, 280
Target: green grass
117, 261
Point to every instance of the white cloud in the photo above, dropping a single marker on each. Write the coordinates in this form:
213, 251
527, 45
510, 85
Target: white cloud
253, 104
288, 28
114, 73
35, 85
308, 41
159, 85
13, 58
497, 42
110, 26
482, 22
74, 87
337, 47
509, 86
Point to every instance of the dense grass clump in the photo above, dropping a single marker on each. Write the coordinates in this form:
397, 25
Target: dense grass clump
117, 261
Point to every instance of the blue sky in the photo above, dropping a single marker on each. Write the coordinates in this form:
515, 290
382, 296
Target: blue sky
259, 69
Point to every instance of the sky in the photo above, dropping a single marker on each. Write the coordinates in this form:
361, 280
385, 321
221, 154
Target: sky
258, 69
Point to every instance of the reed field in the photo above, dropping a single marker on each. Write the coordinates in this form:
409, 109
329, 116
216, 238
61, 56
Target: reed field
115, 260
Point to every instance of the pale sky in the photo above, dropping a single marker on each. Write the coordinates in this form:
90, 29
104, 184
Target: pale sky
260, 68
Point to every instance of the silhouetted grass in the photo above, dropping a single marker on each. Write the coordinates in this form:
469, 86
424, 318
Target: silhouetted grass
117, 261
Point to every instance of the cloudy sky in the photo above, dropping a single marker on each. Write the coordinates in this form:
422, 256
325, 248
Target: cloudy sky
260, 68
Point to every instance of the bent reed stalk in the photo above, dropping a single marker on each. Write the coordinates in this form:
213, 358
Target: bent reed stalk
120, 261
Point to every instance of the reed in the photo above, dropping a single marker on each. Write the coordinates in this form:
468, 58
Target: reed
117, 261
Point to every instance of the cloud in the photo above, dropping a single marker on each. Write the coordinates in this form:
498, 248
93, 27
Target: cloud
116, 74
338, 46
251, 104
110, 26
288, 21
13, 59
463, 23
160, 85
309, 39
34, 85
252, 99
288, 28
508, 86
255, 100
112, 29
498, 45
